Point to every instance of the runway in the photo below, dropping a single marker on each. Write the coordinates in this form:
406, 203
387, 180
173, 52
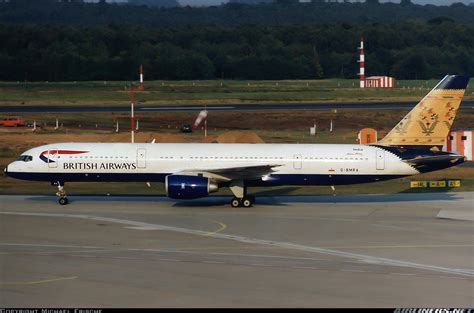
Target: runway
214, 107
308, 251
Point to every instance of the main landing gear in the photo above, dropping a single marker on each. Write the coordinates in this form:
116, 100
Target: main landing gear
61, 193
245, 202
241, 199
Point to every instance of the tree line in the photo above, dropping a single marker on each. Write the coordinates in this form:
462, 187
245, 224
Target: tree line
281, 12
410, 50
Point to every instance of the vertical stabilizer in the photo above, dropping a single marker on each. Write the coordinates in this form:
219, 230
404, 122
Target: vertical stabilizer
429, 122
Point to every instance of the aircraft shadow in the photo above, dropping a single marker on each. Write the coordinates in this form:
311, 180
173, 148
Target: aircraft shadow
262, 199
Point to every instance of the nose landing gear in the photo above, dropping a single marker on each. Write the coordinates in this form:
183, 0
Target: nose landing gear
63, 200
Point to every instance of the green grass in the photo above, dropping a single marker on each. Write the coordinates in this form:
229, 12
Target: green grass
214, 91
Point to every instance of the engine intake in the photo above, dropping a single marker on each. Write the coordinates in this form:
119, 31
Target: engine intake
189, 187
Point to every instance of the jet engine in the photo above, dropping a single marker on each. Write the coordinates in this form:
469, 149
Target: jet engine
189, 187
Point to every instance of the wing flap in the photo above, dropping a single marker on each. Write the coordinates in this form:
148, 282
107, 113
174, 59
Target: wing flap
248, 172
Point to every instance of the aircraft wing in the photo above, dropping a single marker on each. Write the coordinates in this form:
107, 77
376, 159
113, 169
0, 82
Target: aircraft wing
233, 173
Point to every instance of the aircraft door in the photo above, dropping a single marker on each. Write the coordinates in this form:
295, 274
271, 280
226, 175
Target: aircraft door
380, 159
141, 158
53, 158
297, 163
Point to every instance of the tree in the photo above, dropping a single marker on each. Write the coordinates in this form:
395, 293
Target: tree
250, 1
412, 50
413, 66
286, 1
155, 3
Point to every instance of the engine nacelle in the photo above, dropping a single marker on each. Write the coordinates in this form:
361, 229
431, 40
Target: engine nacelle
189, 187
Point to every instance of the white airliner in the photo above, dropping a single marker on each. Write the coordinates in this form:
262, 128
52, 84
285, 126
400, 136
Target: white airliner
192, 171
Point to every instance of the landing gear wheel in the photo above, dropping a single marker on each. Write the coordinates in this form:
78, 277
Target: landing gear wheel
63, 201
246, 202
235, 203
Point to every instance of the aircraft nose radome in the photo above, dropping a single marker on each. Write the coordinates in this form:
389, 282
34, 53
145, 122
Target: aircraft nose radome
6, 171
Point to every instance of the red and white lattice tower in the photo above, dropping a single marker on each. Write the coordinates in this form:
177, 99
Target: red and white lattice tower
361, 63
142, 87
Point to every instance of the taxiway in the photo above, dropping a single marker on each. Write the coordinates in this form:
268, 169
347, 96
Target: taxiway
321, 251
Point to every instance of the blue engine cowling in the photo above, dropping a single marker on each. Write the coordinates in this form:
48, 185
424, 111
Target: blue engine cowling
189, 187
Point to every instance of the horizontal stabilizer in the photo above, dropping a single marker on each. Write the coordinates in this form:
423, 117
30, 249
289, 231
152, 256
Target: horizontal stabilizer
429, 163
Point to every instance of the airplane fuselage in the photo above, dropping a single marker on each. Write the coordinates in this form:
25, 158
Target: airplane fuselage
294, 164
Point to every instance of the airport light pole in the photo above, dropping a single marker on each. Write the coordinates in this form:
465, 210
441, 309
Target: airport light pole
132, 116
133, 125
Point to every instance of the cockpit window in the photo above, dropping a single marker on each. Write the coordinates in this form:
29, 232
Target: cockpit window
25, 158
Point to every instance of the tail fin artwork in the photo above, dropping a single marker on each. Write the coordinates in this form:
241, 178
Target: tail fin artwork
429, 122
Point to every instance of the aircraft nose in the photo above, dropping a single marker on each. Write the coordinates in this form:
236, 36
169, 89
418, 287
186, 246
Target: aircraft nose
7, 168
